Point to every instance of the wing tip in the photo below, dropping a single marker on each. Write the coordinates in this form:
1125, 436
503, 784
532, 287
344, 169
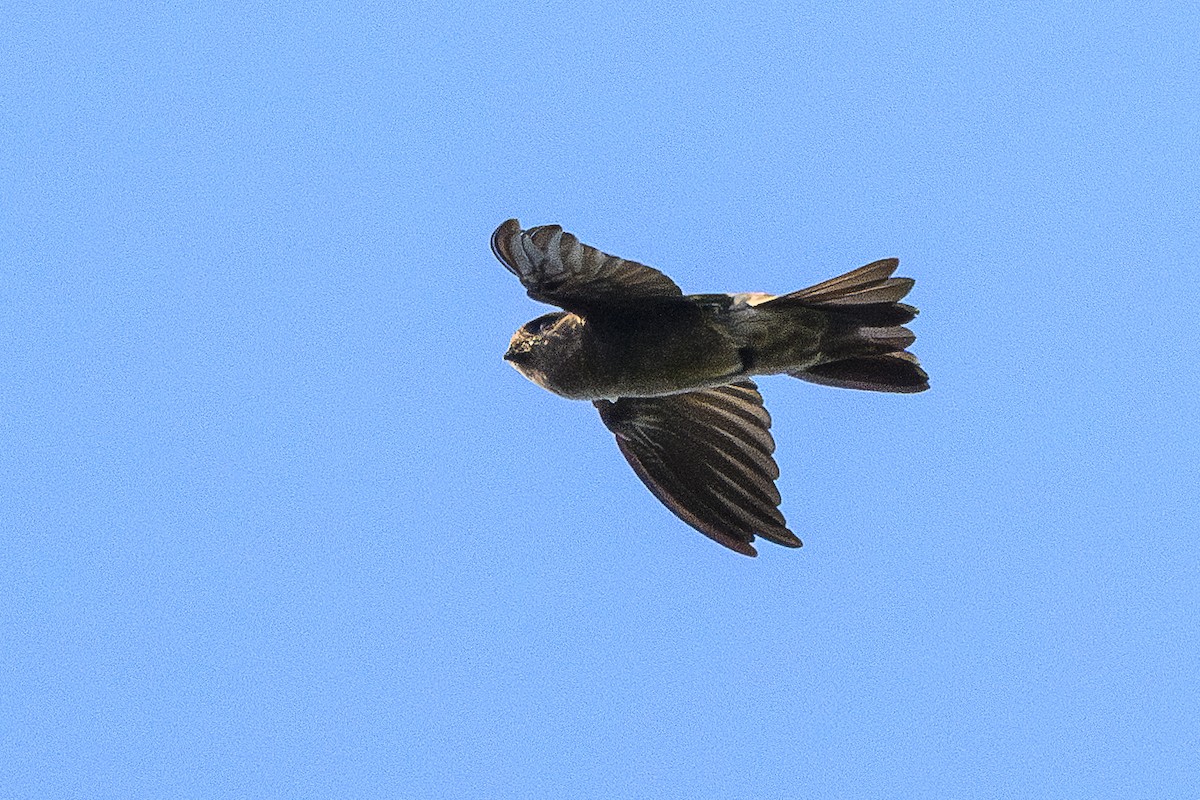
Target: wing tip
783, 537
747, 550
791, 540
502, 241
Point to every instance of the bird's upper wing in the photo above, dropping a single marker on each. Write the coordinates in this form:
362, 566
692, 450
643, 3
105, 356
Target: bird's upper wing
557, 268
707, 456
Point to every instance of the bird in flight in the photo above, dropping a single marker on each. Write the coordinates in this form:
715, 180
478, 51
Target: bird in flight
671, 373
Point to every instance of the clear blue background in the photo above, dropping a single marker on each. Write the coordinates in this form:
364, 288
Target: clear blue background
278, 521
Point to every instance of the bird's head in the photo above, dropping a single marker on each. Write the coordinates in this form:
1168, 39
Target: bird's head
537, 346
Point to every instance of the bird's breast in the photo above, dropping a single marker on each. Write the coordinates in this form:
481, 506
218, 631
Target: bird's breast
644, 352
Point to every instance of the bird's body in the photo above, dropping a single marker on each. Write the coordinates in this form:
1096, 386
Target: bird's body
660, 347
670, 373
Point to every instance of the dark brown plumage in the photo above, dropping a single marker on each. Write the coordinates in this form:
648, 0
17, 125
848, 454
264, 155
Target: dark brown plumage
670, 373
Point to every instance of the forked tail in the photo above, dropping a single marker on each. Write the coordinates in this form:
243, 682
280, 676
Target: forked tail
863, 346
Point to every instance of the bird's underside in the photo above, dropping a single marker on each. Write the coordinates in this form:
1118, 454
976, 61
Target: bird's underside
670, 375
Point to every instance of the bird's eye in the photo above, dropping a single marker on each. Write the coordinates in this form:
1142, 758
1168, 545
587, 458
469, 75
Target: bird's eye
542, 323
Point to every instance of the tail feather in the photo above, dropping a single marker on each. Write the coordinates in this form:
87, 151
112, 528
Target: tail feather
870, 284
863, 345
874, 315
890, 373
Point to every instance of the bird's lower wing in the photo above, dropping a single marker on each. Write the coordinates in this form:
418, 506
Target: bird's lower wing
707, 456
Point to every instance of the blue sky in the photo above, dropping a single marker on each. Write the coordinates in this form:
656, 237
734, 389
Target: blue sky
278, 520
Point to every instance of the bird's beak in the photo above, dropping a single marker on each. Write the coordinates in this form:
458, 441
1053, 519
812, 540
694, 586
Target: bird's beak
516, 356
